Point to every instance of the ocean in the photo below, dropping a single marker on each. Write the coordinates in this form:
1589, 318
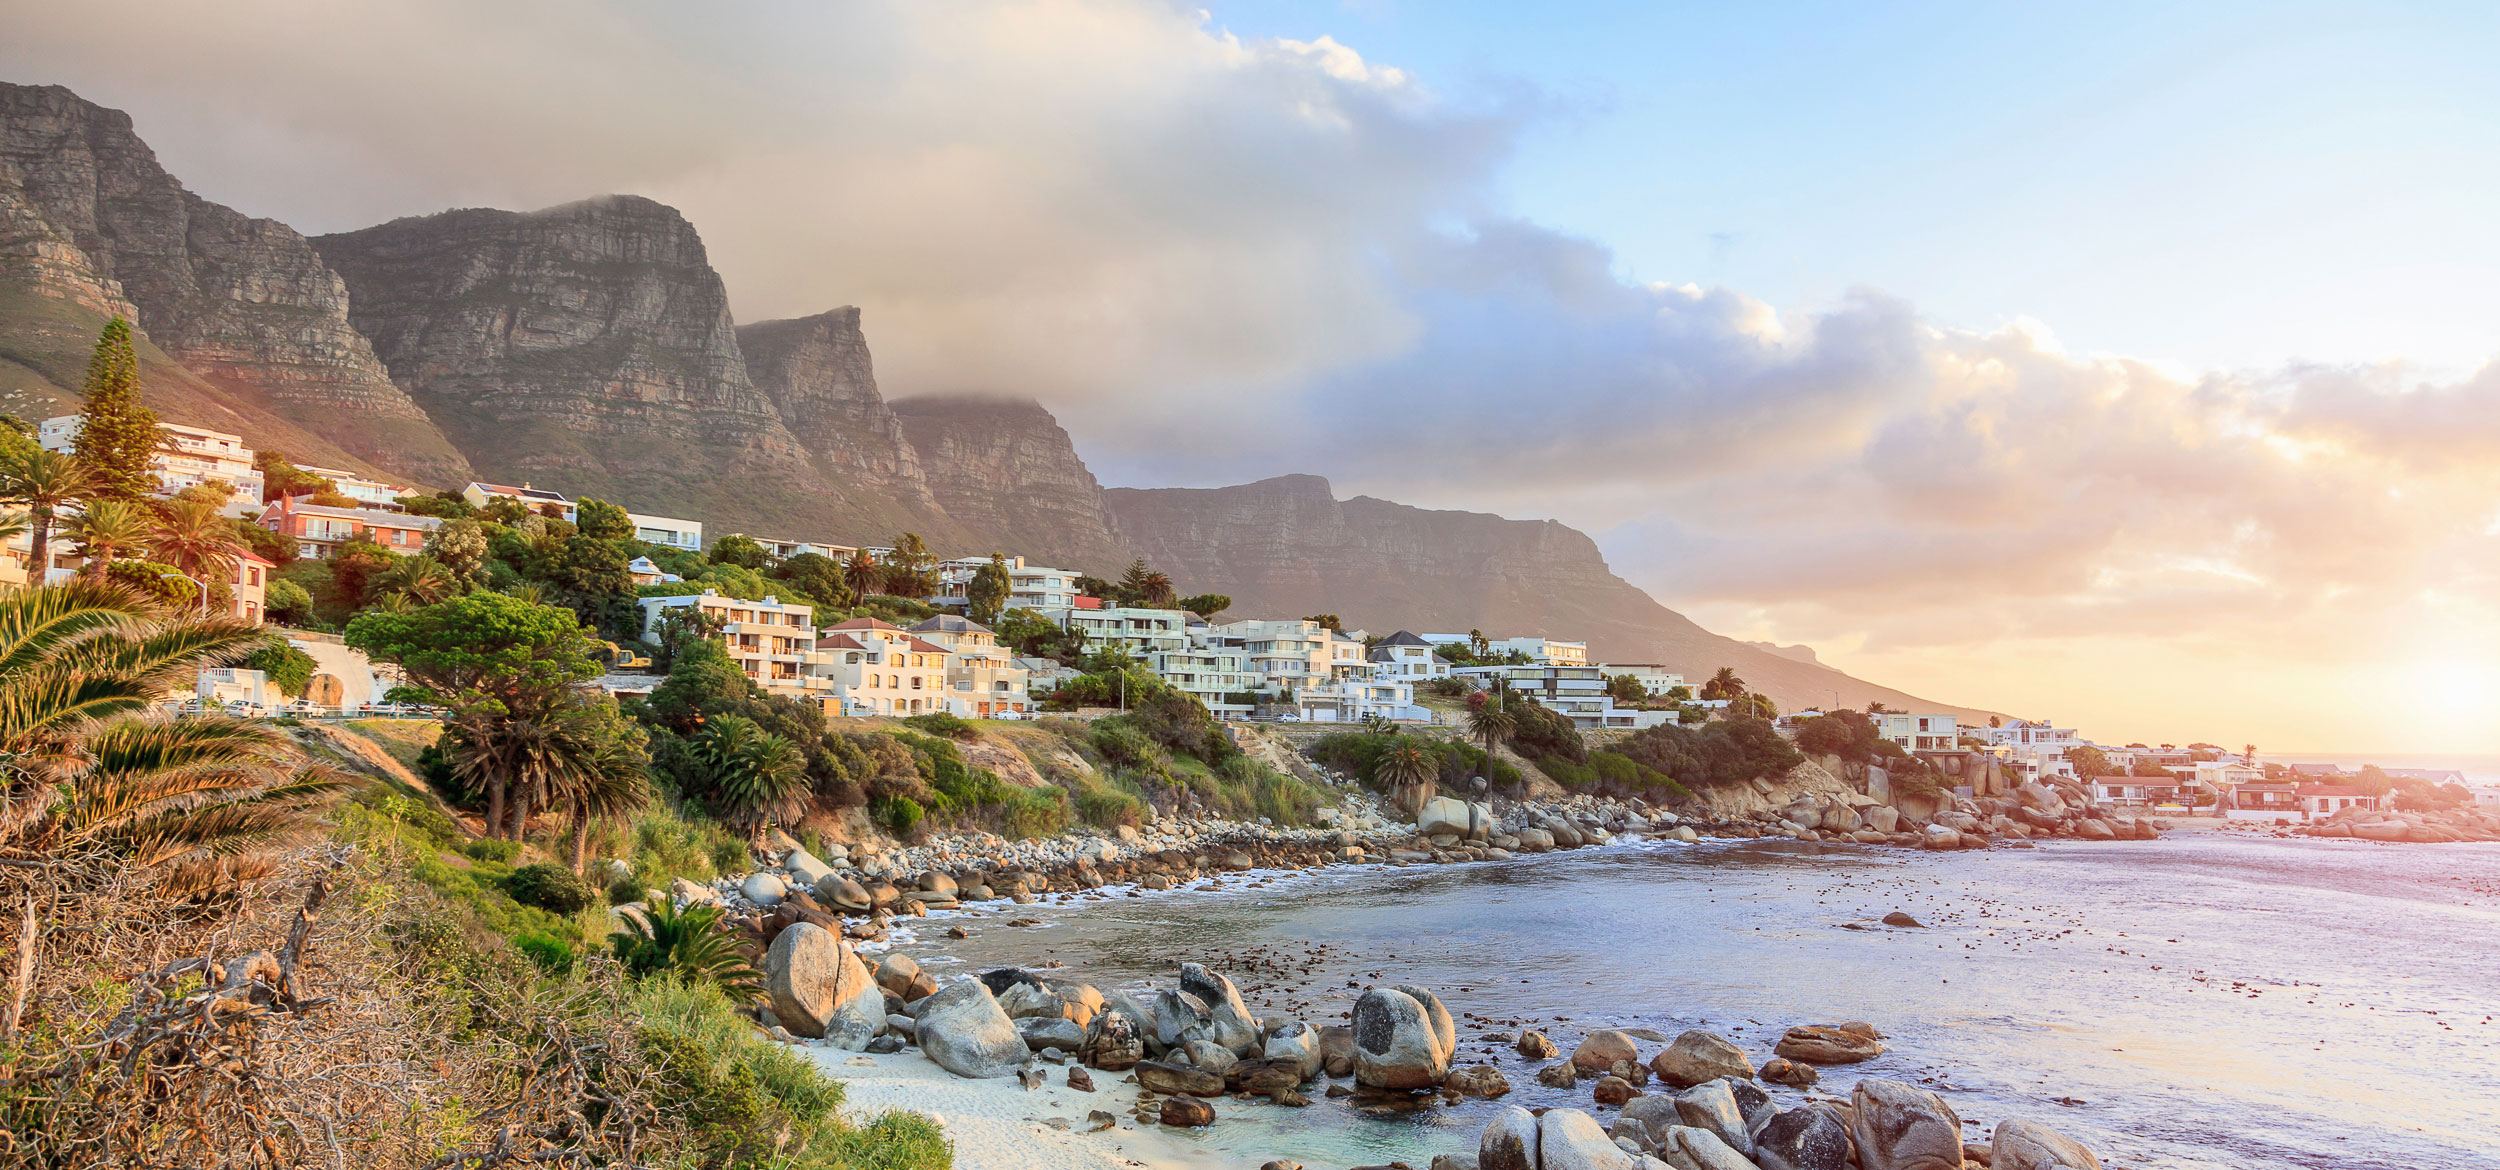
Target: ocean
2201, 1002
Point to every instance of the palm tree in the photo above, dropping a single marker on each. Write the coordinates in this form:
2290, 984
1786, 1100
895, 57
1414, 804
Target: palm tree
1492, 722
88, 766
43, 482
1478, 644
687, 944
533, 592
757, 777
1380, 725
863, 573
192, 536
104, 531
421, 579
607, 777
1723, 685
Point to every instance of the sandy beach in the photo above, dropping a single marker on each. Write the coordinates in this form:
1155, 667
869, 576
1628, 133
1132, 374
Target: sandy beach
997, 1123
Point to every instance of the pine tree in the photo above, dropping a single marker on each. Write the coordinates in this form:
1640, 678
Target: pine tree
117, 434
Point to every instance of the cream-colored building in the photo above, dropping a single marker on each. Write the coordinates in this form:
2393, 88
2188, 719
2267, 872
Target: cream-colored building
190, 456
867, 667
983, 680
773, 643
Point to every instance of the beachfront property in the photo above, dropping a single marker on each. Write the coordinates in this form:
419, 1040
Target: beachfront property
1353, 700
782, 550
771, 642
1287, 654
983, 680
1213, 674
867, 667
362, 489
319, 530
1406, 658
668, 531
2136, 789
1036, 588
2319, 800
189, 457
1576, 692
1140, 632
1540, 651
1919, 733
1654, 677
538, 500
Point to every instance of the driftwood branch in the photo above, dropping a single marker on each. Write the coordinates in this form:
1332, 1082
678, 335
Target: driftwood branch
25, 976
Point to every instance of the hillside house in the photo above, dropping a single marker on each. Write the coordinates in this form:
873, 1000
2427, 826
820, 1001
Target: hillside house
771, 642
868, 667
983, 680
319, 530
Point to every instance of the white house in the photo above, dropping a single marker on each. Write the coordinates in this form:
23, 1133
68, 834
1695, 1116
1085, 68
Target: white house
1919, 733
1211, 673
867, 667
360, 488
1353, 700
783, 550
1037, 588
668, 531
190, 456
1654, 677
537, 499
983, 679
1404, 657
1576, 692
1142, 632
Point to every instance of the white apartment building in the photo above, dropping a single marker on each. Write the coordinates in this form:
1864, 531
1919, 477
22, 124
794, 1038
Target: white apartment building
1406, 658
1037, 588
359, 488
191, 456
2025, 735
1211, 673
1142, 632
668, 531
1919, 733
1353, 700
1653, 676
783, 550
866, 667
773, 643
536, 499
983, 679
1576, 692
1545, 651
1286, 654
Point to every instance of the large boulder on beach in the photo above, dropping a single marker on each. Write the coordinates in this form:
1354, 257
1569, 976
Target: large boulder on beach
1687, 1147
1443, 814
817, 984
1698, 1056
1645, 1121
804, 870
1712, 1106
2028, 1145
1830, 1044
1177, 1018
1567, 1139
1042, 1032
842, 893
1597, 1054
963, 1030
1293, 1040
1229, 1021
1403, 1039
1509, 1142
764, 889
1077, 1003
1535, 840
1112, 1042
1900, 1127
1812, 1138
1157, 1077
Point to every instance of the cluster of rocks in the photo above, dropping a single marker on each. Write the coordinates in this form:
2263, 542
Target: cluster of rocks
2035, 810
1728, 1124
2420, 828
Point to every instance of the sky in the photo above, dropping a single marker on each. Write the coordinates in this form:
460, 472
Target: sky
2120, 364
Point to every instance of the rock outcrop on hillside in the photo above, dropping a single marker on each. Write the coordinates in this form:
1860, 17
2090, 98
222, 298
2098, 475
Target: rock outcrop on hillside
245, 305
1288, 546
589, 346
1005, 469
820, 378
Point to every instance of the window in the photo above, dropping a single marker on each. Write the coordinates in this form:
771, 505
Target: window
915, 682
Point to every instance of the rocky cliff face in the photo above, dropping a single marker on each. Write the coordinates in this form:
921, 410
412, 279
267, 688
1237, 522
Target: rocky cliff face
245, 304
1005, 469
588, 346
1289, 547
819, 377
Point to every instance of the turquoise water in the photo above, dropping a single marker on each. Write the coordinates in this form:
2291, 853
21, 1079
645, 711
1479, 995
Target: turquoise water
2199, 1002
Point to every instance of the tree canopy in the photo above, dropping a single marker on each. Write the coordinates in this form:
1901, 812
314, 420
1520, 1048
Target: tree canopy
118, 435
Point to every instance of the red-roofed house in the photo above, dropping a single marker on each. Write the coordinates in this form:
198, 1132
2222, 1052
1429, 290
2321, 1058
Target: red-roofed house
868, 667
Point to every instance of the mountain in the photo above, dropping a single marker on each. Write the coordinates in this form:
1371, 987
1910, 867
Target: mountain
1288, 547
244, 306
1007, 470
587, 347
820, 378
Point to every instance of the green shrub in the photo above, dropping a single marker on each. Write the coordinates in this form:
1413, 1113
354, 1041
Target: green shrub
551, 888
627, 888
900, 814
553, 955
1033, 813
490, 849
944, 723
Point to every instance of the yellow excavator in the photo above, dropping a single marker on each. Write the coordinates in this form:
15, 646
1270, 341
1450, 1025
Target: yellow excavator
620, 658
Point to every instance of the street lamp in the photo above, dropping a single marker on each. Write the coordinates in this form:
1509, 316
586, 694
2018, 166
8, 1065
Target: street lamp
196, 581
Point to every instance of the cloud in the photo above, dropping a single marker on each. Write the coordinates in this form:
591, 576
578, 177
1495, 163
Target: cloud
1221, 258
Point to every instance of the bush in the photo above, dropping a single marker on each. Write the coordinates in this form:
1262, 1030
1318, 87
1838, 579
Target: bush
553, 955
1714, 755
900, 815
1033, 813
491, 849
625, 889
551, 888
944, 723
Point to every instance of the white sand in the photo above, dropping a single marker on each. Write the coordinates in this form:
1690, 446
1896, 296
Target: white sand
999, 1125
